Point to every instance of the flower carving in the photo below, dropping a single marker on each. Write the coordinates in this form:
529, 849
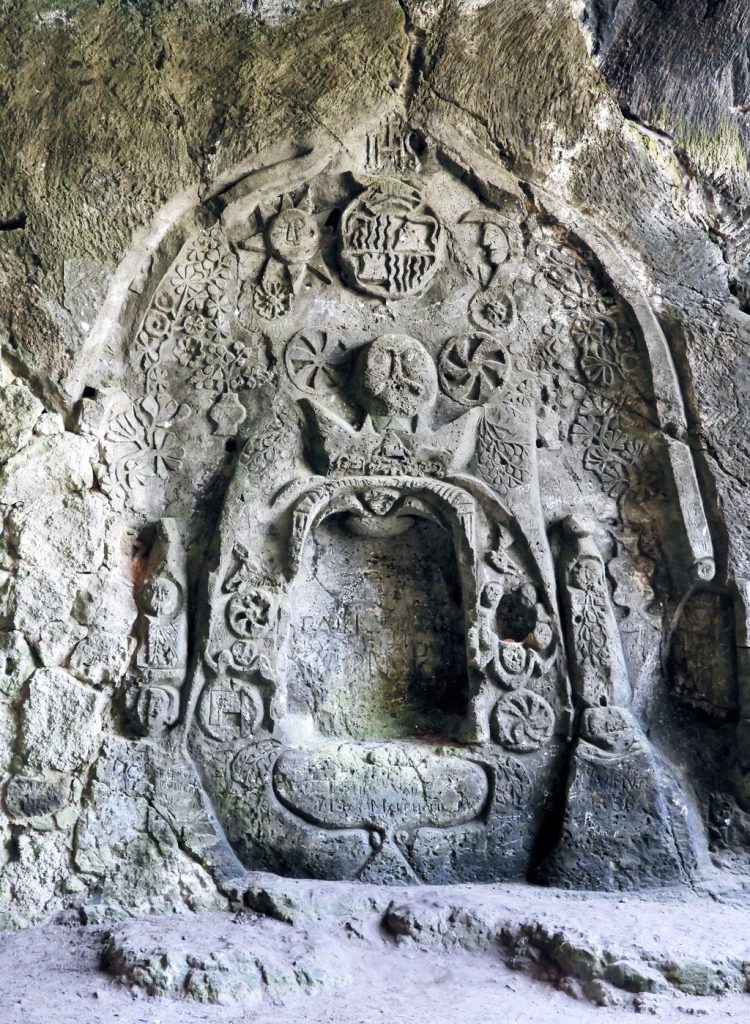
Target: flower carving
140, 443
609, 452
272, 300
600, 360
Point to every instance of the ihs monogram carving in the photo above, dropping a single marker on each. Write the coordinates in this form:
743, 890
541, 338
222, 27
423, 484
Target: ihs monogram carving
390, 147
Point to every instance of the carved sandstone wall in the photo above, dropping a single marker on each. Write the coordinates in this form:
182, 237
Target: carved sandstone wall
374, 447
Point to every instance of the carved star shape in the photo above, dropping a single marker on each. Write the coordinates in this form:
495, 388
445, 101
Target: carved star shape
288, 234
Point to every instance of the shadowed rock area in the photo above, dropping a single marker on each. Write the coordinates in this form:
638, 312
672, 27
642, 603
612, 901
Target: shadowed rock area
375, 577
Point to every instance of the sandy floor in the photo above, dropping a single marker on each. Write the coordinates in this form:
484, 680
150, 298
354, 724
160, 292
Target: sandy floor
53, 974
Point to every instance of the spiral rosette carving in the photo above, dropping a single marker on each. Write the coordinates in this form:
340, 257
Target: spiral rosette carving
316, 361
523, 721
473, 367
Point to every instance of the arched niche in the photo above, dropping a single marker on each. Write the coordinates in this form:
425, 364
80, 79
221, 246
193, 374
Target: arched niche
365, 318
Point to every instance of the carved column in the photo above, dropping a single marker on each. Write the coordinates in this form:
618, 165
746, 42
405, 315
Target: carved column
624, 824
161, 661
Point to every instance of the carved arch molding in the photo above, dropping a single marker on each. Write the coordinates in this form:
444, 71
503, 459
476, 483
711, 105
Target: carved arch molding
417, 642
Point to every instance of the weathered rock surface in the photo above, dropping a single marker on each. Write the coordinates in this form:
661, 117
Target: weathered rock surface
373, 463
234, 961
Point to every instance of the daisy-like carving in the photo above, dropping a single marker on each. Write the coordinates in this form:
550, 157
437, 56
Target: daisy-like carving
140, 443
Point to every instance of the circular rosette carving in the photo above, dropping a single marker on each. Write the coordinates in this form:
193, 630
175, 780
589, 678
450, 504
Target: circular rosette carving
316, 361
512, 784
250, 612
523, 721
493, 310
473, 367
392, 243
396, 376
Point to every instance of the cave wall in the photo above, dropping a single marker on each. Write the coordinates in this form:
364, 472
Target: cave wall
131, 129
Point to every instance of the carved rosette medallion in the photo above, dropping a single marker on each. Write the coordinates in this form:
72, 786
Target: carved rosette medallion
316, 361
523, 721
493, 309
392, 243
473, 368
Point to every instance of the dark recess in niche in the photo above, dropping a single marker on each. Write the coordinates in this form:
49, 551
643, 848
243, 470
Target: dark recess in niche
17, 223
332, 221
417, 142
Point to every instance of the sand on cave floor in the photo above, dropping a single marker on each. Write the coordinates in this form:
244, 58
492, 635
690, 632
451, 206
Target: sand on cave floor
364, 954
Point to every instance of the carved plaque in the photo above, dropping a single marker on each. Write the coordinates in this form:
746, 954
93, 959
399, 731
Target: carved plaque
389, 786
392, 243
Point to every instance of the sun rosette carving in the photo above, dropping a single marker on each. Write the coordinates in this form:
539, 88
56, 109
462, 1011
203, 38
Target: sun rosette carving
392, 242
140, 444
474, 368
317, 361
523, 721
288, 238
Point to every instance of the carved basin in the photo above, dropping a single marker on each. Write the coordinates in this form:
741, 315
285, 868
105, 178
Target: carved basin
388, 785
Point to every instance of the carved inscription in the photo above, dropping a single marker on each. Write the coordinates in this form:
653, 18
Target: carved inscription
351, 786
